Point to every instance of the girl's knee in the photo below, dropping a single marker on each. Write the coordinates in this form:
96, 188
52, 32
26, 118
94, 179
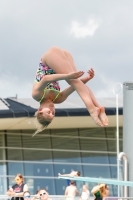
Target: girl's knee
68, 54
55, 50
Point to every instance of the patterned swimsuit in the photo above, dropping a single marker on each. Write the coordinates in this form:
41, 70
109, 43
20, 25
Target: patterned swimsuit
44, 70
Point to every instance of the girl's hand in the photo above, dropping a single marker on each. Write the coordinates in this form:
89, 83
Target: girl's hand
91, 74
13, 193
74, 75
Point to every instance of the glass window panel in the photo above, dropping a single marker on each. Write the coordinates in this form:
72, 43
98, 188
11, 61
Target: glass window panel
99, 171
2, 168
33, 169
36, 142
112, 145
112, 159
121, 145
64, 132
33, 155
30, 183
65, 143
111, 132
15, 168
2, 154
2, 164
13, 132
60, 156
92, 132
93, 144
13, 140
2, 141
99, 158
2, 144
60, 186
14, 154
44, 183
3, 186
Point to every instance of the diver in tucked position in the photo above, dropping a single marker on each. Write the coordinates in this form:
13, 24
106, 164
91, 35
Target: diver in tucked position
57, 64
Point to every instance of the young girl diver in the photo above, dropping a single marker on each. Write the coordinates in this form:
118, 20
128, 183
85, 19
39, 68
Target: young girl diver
57, 64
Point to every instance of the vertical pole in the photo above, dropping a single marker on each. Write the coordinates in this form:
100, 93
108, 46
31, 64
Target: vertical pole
117, 139
125, 171
128, 128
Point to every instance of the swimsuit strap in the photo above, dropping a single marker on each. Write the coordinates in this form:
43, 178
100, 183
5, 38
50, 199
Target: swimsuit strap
56, 95
45, 92
42, 97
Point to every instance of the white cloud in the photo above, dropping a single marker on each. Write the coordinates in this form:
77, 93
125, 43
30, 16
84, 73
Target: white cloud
108, 84
81, 31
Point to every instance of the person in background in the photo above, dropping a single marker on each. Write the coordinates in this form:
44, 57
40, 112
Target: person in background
73, 173
17, 190
85, 193
71, 191
44, 195
37, 196
100, 191
26, 195
105, 191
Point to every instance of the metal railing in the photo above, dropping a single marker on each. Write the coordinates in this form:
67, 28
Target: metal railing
62, 197
51, 197
125, 171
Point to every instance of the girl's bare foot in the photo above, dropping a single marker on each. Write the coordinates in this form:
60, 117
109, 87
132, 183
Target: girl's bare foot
59, 174
95, 114
103, 116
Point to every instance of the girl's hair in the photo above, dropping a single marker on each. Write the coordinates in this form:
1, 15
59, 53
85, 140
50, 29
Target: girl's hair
86, 186
42, 189
78, 173
72, 182
37, 191
43, 123
20, 176
26, 192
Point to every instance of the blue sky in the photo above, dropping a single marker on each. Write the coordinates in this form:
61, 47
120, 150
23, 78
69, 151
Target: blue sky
99, 34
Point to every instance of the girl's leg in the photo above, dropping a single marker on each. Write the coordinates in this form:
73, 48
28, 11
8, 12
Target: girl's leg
102, 114
57, 60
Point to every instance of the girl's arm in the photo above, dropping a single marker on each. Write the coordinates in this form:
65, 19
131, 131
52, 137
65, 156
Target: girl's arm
39, 87
25, 188
88, 193
14, 194
9, 192
65, 93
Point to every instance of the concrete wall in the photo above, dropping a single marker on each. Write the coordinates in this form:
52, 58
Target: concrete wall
128, 128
